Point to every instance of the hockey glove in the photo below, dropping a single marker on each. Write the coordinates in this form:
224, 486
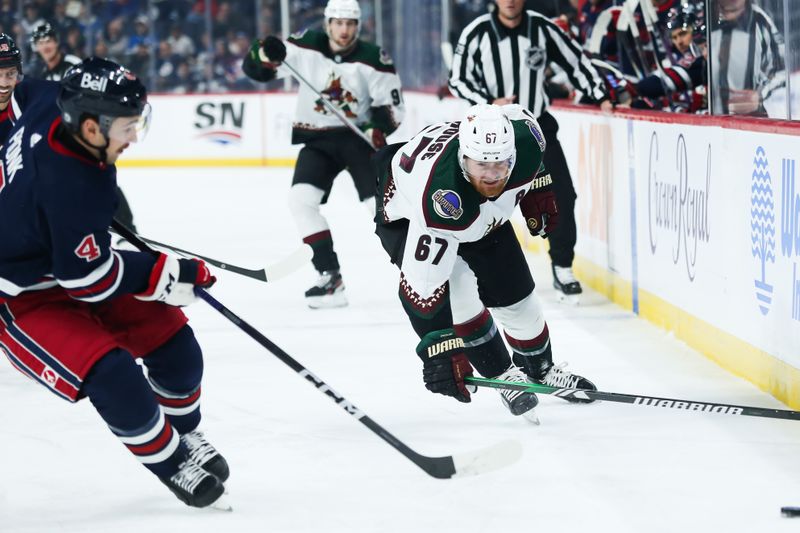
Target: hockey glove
444, 364
274, 51
377, 136
173, 280
540, 209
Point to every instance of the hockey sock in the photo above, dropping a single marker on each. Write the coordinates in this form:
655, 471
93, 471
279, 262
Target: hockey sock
483, 345
175, 370
121, 395
324, 256
535, 355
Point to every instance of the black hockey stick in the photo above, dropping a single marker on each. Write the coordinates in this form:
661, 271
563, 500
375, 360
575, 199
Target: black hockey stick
635, 399
471, 463
271, 272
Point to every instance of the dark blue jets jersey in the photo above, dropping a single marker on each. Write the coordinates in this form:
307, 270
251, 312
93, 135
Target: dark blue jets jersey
27, 91
56, 205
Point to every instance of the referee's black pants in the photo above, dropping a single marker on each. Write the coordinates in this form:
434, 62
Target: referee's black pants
562, 240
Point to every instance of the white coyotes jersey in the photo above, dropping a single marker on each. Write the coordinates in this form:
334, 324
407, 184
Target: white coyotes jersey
427, 187
364, 78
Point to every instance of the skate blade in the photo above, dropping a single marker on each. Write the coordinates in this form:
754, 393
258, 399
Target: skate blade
330, 301
221, 504
532, 417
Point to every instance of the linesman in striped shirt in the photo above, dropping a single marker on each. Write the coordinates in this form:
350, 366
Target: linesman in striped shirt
501, 58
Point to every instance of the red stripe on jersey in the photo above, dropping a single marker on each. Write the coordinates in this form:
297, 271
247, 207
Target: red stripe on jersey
680, 84
100, 285
155, 275
37, 367
59, 148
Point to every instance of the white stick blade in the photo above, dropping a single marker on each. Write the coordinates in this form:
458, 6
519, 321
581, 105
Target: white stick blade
494, 457
290, 263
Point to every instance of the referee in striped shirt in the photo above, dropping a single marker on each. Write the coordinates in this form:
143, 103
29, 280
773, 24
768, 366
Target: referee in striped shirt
501, 58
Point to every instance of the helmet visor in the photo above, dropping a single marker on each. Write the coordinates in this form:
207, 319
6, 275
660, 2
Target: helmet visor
131, 129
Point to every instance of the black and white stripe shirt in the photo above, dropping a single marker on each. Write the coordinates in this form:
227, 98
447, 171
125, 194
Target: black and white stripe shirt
746, 54
491, 61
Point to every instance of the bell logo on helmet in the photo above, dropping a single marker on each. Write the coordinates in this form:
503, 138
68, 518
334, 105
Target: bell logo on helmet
95, 85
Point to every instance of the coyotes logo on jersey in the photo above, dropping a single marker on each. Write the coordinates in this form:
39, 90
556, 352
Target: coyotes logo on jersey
339, 96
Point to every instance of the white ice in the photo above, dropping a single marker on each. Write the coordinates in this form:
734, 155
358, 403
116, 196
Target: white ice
299, 463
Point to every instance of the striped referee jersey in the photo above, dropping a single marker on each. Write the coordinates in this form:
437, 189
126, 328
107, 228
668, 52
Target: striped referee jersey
491, 61
746, 54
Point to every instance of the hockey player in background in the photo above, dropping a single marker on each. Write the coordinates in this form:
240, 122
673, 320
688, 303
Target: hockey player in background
52, 63
357, 77
445, 201
74, 313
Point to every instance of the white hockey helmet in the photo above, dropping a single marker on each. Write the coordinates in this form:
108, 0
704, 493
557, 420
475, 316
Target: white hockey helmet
486, 135
342, 9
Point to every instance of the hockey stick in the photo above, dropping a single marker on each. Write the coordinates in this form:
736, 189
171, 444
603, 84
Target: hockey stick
470, 463
635, 399
272, 272
327, 103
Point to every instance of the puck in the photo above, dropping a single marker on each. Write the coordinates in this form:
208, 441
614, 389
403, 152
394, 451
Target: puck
790, 511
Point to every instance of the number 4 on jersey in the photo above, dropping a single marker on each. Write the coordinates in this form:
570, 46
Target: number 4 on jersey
88, 249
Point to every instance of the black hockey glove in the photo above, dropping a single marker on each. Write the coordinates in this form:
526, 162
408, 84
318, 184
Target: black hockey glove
444, 364
274, 49
539, 208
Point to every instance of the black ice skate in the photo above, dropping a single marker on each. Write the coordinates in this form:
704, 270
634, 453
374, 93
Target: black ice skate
565, 283
196, 487
328, 292
518, 402
203, 454
557, 376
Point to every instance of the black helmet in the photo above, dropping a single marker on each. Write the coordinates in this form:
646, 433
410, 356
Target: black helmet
43, 31
9, 53
101, 89
681, 19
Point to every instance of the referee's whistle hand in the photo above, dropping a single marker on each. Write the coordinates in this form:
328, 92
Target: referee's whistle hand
505, 100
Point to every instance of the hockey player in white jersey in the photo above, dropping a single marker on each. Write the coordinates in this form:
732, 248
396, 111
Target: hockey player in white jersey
444, 205
358, 78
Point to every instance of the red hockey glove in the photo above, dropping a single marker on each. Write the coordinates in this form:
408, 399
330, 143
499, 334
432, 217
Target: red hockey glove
173, 280
377, 137
444, 364
540, 209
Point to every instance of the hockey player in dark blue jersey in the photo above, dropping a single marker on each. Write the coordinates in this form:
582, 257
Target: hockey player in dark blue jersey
17, 94
73, 311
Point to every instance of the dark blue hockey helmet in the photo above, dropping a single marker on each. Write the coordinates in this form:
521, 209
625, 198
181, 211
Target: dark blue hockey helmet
9, 53
103, 90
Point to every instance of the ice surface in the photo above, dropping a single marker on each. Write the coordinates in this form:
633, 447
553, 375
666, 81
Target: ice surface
299, 464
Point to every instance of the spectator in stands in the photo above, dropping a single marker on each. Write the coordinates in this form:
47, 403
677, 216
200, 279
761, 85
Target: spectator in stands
166, 67
747, 58
116, 40
141, 34
139, 62
181, 43
74, 42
